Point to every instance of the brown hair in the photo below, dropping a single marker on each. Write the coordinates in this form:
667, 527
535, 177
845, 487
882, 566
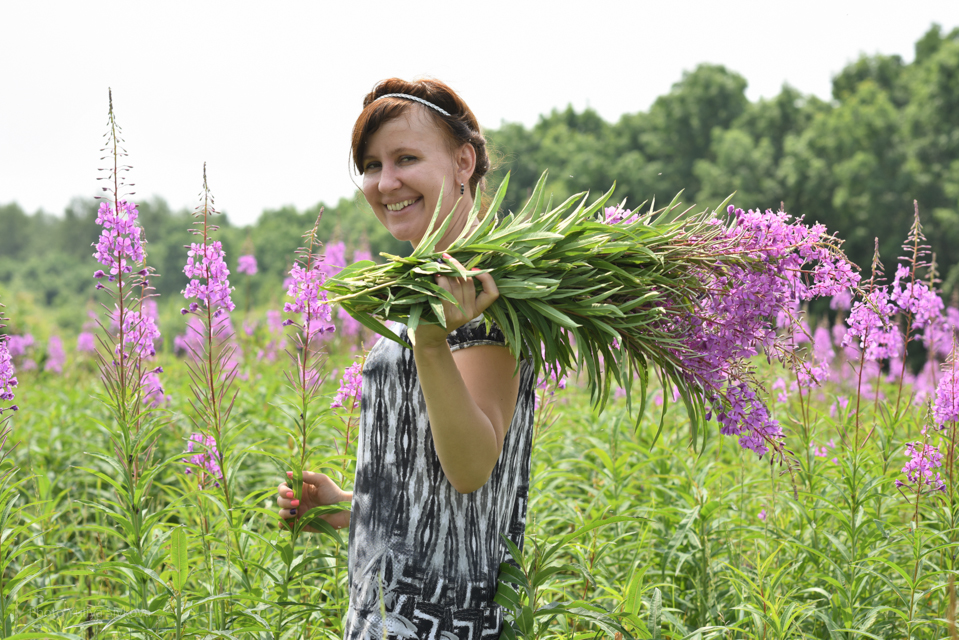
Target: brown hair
459, 127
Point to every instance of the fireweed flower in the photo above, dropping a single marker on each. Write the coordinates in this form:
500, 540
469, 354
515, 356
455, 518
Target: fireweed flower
334, 259
153, 393
86, 342
937, 336
56, 357
871, 321
333, 262
192, 342
140, 330
735, 319
120, 246
615, 215
915, 298
823, 452
8, 375
277, 342
309, 301
842, 301
18, 345
246, 264
351, 386
919, 470
205, 262
946, 407
207, 460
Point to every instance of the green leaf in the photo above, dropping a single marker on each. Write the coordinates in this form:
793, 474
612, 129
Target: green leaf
179, 557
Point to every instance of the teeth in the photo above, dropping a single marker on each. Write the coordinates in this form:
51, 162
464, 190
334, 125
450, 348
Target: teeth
400, 205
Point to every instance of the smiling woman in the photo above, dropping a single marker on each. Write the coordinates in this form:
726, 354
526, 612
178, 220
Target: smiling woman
445, 425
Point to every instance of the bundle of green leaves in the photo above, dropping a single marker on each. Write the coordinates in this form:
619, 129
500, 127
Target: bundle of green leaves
576, 292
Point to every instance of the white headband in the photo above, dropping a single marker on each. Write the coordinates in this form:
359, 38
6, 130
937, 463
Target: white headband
406, 96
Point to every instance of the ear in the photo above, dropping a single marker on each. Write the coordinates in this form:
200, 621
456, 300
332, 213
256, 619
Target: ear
465, 162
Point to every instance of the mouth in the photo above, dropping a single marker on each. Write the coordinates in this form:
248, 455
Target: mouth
400, 206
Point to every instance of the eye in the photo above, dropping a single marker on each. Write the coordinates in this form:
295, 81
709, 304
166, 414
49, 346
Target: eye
372, 165
407, 159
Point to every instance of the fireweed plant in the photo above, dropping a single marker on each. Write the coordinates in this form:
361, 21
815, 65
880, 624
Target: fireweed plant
16, 541
310, 318
212, 369
128, 374
614, 293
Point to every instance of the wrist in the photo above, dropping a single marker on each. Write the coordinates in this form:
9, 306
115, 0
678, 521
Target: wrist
429, 337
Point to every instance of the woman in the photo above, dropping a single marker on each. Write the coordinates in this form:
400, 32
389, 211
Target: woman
445, 427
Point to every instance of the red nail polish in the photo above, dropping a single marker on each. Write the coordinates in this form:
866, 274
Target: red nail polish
475, 269
447, 256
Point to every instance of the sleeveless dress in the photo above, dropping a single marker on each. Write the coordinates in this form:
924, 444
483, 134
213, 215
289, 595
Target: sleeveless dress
429, 554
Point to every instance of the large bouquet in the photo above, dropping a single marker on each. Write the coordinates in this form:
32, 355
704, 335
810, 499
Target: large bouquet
614, 293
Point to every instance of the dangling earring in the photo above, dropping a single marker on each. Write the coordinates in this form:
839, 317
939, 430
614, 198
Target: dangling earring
462, 188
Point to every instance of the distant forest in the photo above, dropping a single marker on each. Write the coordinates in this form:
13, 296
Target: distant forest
889, 136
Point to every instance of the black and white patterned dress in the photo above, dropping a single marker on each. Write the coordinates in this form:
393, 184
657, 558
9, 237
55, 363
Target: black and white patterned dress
432, 552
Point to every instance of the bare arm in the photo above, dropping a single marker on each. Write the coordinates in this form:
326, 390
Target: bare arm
470, 394
470, 397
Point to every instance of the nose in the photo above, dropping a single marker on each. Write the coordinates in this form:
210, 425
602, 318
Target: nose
389, 180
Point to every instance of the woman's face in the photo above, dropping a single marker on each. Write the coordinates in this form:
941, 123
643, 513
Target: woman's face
406, 164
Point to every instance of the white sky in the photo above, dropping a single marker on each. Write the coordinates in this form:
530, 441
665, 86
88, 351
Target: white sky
266, 92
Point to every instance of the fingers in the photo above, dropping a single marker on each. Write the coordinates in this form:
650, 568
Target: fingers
462, 289
489, 294
286, 500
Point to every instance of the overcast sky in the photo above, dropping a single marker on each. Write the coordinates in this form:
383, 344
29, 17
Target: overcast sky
266, 92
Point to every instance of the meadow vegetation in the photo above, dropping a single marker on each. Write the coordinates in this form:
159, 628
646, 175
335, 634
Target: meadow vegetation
143, 434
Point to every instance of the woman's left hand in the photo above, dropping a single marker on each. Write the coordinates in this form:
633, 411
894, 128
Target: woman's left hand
464, 290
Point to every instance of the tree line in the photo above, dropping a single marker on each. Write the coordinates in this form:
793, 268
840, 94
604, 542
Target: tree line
888, 136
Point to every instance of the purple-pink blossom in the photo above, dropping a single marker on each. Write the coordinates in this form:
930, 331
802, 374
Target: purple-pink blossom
919, 470
736, 318
945, 409
86, 342
152, 389
193, 341
18, 345
209, 275
308, 300
8, 374
823, 452
208, 460
842, 301
871, 320
56, 357
140, 331
616, 215
120, 245
351, 386
334, 259
916, 298
277, 342
246, 264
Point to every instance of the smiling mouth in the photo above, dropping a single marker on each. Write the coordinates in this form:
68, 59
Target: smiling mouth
401, 205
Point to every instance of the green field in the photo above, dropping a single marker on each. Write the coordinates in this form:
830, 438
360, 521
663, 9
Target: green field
660, 539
